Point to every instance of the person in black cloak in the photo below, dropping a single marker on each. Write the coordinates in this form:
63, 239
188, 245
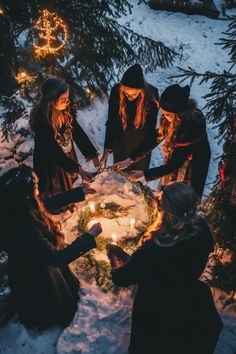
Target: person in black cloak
55, 129
186, 148
173, 310
132, 117
44, 291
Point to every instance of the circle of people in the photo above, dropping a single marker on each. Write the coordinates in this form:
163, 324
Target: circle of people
173, 310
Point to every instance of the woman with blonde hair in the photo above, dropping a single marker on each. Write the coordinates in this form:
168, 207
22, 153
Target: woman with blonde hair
185, 146
173, 310
55, 129
132, 116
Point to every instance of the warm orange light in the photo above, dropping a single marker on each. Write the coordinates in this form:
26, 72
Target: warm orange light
1, 11
52, 32
22, 76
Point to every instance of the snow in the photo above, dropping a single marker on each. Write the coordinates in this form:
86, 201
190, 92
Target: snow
102, 322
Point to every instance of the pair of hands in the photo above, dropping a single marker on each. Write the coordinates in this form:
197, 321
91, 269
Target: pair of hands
134, 175
115, 254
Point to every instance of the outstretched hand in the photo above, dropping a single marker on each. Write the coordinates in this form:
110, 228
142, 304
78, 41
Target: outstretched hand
135, 175
113, 258
122, 165
85, 175
96, 229
116, 255
104, 158
96, 162
90, 191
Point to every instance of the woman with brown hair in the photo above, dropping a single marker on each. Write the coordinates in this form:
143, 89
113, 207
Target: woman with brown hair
132, 116
44, 291
185, 146
55, 129
173, 310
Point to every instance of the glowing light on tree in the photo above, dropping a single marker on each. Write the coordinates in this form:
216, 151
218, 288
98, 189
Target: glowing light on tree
23, 76
52, 34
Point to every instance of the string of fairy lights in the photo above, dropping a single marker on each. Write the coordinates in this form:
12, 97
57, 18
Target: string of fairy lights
52, 32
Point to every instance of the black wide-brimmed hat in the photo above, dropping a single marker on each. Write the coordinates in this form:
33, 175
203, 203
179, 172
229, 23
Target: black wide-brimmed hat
175, 98
53, 88
133, 77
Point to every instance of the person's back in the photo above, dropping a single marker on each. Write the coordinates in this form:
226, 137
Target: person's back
173, 311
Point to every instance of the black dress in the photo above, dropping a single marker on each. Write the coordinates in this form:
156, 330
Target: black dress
44, 291
55, 160
123, 142
173, 311
191, 146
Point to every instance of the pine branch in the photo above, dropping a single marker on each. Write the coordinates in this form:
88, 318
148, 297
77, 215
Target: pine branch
230, 41
12, 109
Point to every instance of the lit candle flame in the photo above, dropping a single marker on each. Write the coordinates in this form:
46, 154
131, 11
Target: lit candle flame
114, 238
92, 207
132, 223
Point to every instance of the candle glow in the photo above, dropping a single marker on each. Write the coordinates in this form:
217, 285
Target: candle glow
132, 223
114, 238
92, 207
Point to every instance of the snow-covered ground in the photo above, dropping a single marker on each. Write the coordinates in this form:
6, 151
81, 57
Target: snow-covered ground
102, 323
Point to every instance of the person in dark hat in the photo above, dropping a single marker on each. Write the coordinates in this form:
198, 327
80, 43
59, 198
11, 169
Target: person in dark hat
173, 310
132, 116
55, 129
44, 291
185, 146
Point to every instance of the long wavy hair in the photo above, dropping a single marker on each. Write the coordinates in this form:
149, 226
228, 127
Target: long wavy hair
144, 100
20, 202
168, 130
180, 220
45, 107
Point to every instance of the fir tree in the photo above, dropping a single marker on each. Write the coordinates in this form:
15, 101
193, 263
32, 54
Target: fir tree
95, 54
220, 205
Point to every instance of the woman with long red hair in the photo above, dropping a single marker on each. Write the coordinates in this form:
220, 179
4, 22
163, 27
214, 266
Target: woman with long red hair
44, 291
55, 129
132, 116
186, 149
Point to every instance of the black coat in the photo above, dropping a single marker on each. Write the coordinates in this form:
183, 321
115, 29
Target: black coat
173, 311
193, 133
43, 288
53, 166
123, 142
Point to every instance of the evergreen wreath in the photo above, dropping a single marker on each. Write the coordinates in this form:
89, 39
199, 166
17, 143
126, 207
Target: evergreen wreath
89, 267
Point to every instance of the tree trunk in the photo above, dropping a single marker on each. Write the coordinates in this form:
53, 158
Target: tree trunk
8, 83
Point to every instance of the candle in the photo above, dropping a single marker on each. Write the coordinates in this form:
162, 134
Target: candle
92, 207
132, 223
114, 238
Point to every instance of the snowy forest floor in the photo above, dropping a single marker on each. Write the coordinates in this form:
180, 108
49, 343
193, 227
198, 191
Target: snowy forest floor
102, 323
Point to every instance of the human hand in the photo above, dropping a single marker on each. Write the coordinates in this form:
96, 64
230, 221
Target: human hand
85, 175
113, 258
96, 229
104, 158
122, 165
96, 162
135, 175
90, 191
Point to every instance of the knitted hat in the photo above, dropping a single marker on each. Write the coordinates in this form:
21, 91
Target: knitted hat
53, 88
175, 98
133, 77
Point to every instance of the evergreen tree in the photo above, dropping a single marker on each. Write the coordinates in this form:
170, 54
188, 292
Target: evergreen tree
220, 206
96, 51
